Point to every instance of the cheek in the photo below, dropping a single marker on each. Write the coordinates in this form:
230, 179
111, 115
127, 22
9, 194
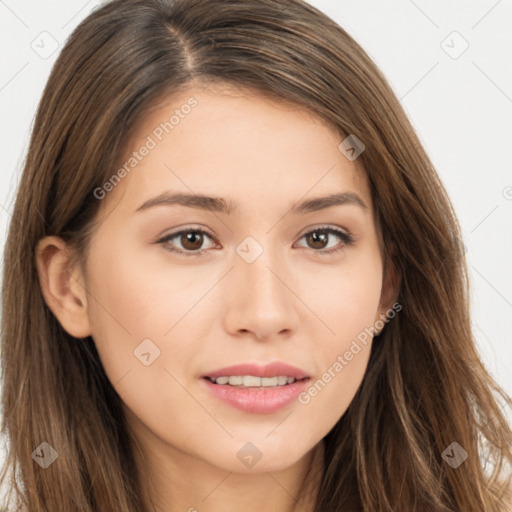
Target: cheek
346, 296
330, 394
142, 313
348, 306
137, 295
341, 363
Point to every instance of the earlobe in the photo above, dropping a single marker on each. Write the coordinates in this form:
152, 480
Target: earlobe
62, 287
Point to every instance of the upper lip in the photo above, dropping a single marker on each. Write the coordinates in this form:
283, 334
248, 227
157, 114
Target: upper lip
259, 370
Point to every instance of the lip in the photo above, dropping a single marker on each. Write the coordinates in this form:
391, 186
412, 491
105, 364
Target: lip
258, 400
268, 370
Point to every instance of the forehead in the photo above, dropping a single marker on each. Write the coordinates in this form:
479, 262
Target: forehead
236, 144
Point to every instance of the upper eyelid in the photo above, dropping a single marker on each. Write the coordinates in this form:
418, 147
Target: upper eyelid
205, 230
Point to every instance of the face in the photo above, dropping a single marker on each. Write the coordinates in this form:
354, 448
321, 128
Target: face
182, 291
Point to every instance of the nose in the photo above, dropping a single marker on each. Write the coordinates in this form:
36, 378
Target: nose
260, 298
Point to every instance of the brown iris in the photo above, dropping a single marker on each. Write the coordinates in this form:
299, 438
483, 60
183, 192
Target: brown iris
192, 240
314, 238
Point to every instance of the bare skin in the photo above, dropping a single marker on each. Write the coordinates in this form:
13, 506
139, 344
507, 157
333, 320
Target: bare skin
291, 304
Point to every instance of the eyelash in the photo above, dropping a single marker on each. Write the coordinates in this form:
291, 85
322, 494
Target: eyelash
345, 237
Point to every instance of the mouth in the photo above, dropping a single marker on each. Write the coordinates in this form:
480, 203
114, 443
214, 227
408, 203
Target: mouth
253, 381
257, 389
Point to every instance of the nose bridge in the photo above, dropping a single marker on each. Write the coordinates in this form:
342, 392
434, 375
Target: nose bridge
257, 264
261, 301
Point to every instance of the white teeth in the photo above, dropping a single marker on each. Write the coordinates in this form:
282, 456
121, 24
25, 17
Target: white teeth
249, 380
253, 381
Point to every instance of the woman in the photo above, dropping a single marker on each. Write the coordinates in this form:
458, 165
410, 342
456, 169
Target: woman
233, 279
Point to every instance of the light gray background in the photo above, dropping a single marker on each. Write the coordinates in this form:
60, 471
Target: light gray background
460, 105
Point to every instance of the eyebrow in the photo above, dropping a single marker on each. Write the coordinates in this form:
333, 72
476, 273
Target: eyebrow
220, 205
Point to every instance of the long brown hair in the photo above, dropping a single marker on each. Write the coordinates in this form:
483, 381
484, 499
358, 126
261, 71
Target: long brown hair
425, 386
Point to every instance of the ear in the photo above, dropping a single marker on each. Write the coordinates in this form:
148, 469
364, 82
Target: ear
389, 292
63, 287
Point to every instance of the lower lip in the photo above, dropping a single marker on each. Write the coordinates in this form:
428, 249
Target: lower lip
258, 400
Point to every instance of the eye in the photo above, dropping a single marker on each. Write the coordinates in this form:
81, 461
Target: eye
319, 237
190, 239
